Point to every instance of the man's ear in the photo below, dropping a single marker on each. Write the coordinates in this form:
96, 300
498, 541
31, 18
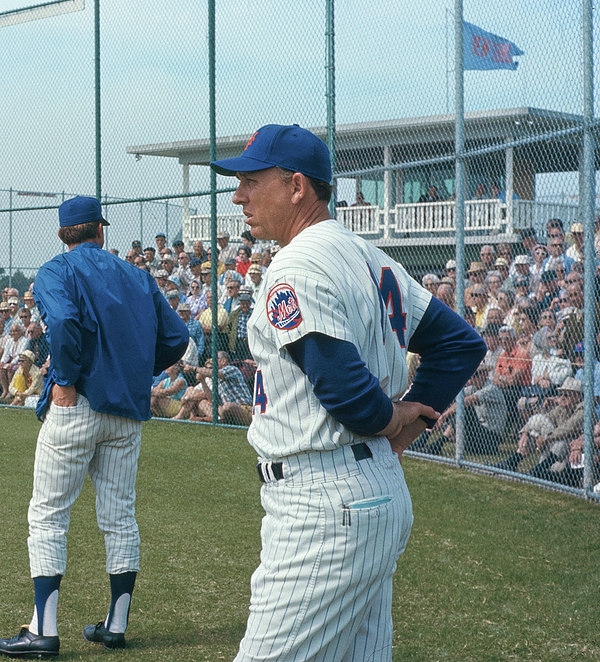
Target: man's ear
300, 183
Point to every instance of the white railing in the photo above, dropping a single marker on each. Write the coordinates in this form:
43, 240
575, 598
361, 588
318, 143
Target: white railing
532, 214
361, 220
420, 219
438, 217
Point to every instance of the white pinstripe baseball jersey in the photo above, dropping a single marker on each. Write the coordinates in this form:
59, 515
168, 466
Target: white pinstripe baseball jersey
329, 281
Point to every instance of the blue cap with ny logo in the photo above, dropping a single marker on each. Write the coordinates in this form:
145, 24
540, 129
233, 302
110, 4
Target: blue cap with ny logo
288, 147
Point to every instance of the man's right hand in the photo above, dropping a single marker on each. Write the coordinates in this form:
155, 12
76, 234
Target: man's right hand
64, 396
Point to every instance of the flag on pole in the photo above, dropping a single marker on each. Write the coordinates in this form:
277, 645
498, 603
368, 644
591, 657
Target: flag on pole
483, 50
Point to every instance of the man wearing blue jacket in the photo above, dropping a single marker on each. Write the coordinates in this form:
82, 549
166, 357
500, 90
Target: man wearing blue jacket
104, 353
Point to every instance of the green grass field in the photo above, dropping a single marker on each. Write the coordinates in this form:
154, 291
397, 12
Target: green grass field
493, 571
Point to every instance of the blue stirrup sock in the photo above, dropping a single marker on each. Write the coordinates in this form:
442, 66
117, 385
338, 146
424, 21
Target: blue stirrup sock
46, 602
121, 588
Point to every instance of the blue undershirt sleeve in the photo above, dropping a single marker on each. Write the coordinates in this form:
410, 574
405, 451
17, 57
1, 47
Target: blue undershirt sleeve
450, 352
342, 383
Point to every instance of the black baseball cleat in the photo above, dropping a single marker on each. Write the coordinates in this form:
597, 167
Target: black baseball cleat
26, 643
98, 634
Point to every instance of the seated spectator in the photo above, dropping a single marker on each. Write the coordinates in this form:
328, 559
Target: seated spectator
199, 253
151, 262
173, 299
476, 275
172, 287
233, 300
450, 270
540, 253
38, 344
570, 329
15, 345
206, 282
205, 320
220, 265
502, 266
226, 250
493, 282
485, 417
238, 328
193, 326
254, 275
230, 273
445, 293
528, 324
513, 368
243, 262
548, 371
177, 248
140, 263
479, 304
196, 301
522, 288
29, 303
161, 280
27, 380
165, 400
550, 434
131, 255
235, 400
431, 282
137, 246
506, 301
491, 338
24, 317
548, 290
572, 474
183, 272
557, 265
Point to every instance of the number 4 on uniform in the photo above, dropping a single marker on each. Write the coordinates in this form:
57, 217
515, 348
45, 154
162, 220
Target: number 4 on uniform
391, 302
260, 397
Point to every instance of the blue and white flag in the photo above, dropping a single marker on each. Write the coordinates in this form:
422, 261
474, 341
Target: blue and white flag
483, 50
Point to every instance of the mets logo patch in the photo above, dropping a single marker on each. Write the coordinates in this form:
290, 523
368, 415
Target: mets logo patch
282, 307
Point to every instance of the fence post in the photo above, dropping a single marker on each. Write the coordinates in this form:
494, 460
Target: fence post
587, 216
213, 208
97, 99
10, 236
330, 34
459, 210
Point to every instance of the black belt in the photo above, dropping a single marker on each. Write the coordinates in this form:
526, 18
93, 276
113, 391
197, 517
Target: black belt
360, 451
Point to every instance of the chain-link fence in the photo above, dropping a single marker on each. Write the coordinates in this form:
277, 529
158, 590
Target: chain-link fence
480, 181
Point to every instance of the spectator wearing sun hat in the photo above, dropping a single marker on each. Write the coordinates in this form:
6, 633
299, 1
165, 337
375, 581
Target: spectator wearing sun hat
575, 252
27, 380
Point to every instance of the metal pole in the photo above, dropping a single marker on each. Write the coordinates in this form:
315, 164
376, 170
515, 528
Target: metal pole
142, 223
97, 99
10, 236
330, 34
459, 205
587, 216
213, 208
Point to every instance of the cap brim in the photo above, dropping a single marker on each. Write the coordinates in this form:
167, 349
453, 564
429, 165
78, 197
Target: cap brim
105, 222
229, 167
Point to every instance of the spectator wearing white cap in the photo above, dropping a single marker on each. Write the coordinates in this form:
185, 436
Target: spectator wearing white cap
27, 380
575, 252
225, 248
254, 275
29, 303
451, 270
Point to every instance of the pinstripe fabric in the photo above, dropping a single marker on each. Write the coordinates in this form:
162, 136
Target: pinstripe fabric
331, 271
322, 592
72, 442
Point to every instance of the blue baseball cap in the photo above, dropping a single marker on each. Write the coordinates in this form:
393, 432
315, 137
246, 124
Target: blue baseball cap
289, 147
80, 209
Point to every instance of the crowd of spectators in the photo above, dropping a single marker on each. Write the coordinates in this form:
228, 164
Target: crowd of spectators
525, 299
526, 399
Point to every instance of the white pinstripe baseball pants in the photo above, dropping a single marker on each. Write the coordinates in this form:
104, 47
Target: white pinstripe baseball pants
72, 442
332, 533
